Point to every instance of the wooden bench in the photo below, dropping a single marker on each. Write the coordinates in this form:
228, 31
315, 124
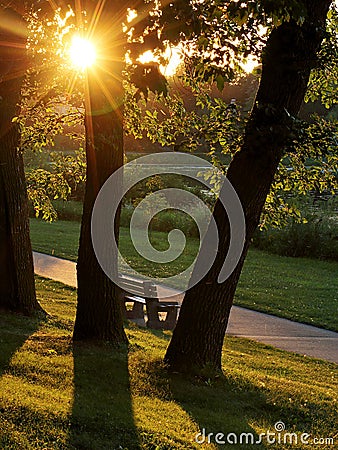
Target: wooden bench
162, 315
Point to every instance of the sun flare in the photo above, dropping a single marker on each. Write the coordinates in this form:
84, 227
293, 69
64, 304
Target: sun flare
250, 64
174, 58
82, 53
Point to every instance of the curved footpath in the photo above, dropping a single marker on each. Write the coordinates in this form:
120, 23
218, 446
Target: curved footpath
281, 333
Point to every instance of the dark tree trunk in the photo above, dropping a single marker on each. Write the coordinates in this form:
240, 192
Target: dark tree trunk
99, 315
17, 290
290, 54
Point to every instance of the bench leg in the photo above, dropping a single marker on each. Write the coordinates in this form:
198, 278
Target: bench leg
171, 319
153, 317
136, 312
152, 313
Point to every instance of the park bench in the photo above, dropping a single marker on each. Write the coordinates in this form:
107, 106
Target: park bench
161, 315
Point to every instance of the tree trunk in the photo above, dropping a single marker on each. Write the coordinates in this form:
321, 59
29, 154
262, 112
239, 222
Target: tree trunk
290, 53
17, 290
99, 314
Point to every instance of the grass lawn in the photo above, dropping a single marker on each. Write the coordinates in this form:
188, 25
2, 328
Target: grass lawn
300, 289
304, 290
60, 238
56, 395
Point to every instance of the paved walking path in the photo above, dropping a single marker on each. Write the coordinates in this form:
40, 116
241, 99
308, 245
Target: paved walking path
281, 333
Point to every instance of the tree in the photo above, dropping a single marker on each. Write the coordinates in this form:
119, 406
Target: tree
99, 314
17, 290
291, 52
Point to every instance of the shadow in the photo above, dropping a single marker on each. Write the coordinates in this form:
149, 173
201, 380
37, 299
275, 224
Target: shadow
221, 404
217, 405
163, 335
102, 413
15, 329
213, 405
228, 404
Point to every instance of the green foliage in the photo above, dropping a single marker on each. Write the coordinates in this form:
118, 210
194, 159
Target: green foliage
217, 37
70, 210
63, 180
52, 95
310, 161
51, 105
316, 237
44, 186
311, 164
323, 84
147, 77
165, 181
165, 221
72, 168
207, 123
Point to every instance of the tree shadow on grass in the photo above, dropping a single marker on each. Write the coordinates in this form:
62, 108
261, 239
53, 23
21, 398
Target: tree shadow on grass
102, 414
232, 404
15, 329
218, 406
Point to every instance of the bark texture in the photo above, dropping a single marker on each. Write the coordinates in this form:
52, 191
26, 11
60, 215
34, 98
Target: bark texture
17, 290
99, 314
290, 54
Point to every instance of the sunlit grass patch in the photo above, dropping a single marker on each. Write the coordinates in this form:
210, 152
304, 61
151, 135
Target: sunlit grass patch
57, 395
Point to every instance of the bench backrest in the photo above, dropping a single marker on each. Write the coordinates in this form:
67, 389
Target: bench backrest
138, 287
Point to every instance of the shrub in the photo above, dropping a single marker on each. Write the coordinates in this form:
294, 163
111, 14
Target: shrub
318, 238
66, 210
167, 220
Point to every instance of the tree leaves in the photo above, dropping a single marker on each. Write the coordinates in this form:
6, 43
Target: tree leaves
323, 82
147, 77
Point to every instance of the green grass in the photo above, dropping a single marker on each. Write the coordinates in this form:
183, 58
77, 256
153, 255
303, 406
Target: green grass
60, 238
56, 395
300, 289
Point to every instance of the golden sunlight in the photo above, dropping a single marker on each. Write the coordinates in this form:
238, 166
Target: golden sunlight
249, 64
174, 58
131, 15
82, 53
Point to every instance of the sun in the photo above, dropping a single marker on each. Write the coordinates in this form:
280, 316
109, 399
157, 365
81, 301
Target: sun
82, 53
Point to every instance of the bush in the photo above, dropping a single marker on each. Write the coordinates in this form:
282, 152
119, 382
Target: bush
318, 238
126, 213
171, 219
166, 221
66, 210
